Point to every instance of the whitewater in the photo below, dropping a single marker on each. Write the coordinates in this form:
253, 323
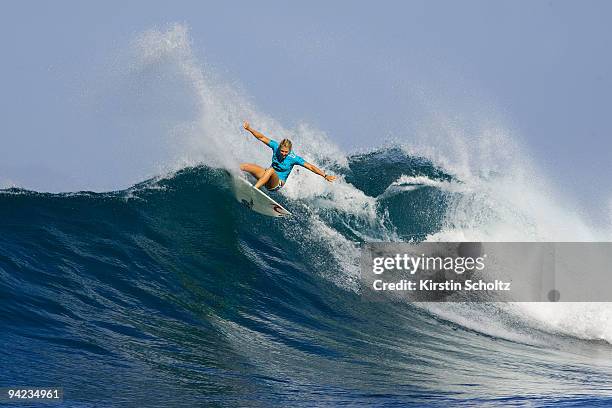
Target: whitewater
166, 290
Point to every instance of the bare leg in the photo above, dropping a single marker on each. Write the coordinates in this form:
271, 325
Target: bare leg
255, 170
264, 179
267, 179
263, 176
273, 181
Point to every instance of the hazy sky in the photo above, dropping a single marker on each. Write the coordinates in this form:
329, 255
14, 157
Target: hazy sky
361, 71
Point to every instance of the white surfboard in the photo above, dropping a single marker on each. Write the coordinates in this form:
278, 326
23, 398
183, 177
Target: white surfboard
257, 200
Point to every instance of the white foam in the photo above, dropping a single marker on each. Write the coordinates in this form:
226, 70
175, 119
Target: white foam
506, 198
215, 136
411, 183
6, 183
588, 320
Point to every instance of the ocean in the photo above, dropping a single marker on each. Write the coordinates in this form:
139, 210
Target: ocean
170, 293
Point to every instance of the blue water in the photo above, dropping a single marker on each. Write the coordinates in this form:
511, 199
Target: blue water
172, 294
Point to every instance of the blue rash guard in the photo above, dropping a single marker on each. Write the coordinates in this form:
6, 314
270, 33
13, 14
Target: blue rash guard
283, 167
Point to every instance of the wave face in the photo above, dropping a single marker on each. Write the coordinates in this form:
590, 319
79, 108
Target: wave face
172, 294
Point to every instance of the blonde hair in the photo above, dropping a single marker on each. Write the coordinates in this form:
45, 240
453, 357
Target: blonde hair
285, 143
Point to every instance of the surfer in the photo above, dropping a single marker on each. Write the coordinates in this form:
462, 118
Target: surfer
283, 160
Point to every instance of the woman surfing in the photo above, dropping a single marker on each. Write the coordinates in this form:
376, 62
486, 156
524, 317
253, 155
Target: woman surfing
283, 160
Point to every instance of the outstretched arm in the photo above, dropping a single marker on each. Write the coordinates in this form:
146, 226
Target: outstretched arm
318, 171
257, 134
